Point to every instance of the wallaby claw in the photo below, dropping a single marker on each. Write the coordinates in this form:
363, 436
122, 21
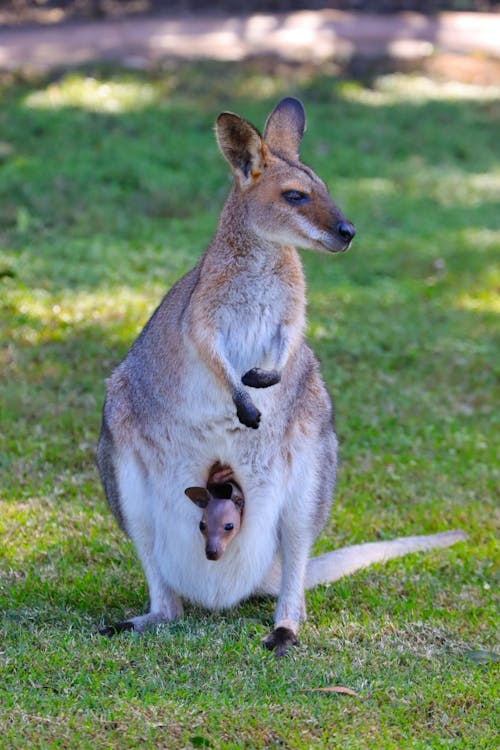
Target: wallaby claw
117, 627
247, 412
280, 640
258, 378
249, 417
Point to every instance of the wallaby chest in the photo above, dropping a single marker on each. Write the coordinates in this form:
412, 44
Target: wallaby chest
251, 326
251, 305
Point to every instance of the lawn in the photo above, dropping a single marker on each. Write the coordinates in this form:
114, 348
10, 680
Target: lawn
110, 187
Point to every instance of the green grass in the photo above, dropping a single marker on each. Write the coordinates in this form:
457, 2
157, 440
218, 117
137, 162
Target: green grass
110, 187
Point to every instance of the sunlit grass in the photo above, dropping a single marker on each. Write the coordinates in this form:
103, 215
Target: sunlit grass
484, 296
397, 88
451, 187
117, 94
51, 313
94, 95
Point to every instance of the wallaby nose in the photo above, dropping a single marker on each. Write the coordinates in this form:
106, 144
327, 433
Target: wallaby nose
212, 553
346, 230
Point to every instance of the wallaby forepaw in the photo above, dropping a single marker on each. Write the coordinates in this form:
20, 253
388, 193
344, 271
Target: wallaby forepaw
258, 378
248, 414
280, 640
117, 627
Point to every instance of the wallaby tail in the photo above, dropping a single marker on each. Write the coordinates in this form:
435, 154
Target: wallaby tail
343, 562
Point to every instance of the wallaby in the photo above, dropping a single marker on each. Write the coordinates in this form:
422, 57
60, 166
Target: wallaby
222, 503
179, 401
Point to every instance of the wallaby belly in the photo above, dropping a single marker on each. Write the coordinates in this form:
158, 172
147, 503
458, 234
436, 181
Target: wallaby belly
216, 584
157, 503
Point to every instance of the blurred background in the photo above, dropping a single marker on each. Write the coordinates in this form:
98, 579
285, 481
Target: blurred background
356, 34
57, 9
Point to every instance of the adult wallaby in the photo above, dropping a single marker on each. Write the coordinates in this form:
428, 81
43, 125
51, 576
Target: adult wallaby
179, 401
222, 503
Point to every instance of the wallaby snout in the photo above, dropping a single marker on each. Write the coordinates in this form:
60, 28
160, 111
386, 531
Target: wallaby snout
338, 238
337, 231
346, 231
213, 553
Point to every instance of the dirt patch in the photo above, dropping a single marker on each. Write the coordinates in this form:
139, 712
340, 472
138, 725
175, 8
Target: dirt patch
465, 69
451, 46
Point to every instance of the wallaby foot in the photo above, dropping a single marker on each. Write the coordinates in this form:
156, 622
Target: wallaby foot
258, 378
246, 411
139, 624
116, 628
280, 640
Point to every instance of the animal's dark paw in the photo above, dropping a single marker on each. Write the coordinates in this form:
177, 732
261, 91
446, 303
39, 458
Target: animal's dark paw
280, 640
247, 413
117, 627
257, 378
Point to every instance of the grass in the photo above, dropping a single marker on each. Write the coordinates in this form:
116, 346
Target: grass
110, 187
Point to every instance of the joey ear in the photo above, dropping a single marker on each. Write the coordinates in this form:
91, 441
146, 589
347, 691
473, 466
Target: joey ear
285, 127
242, 146
199, 496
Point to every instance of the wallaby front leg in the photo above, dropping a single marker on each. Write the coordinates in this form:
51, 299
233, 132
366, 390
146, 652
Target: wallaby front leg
213, 353
246, 411
258, 378
282, 346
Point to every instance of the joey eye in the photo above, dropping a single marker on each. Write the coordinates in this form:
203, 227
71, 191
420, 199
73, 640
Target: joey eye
203, 525
295, 197
229, 527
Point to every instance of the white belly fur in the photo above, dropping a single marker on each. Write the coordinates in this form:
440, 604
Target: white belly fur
213, 584
179, 547
185, 461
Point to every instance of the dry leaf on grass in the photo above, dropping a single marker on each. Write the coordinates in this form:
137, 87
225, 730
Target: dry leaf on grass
333, 689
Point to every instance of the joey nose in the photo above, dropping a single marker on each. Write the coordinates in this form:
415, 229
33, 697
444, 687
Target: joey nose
346, 230
212, 553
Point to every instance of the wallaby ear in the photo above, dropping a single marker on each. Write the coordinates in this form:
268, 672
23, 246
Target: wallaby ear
285, 127
242, 146
199, 496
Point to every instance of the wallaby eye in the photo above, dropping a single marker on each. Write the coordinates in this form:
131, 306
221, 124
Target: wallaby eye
203, 525
229, 527
295, 197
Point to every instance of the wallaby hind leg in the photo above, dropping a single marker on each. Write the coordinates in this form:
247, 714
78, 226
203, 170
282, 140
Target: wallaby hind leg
309, 496
136, 507
165, 606
296, 537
